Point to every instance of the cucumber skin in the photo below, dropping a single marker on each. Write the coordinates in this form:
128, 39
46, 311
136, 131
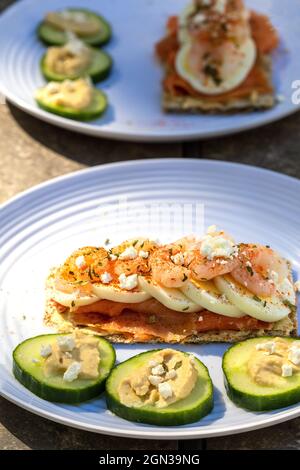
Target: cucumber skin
261, 403
167, 419
101, 41
96, 77
53, 394
257, 402
159, 419
76, 115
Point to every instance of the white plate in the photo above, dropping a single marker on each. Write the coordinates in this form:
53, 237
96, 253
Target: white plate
40, 227
134, 87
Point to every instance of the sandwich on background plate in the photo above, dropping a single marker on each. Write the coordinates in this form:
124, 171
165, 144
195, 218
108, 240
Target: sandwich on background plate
217, 58
191, 291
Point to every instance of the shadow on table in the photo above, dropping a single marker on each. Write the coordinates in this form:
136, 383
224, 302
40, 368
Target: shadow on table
35, 432
86, 149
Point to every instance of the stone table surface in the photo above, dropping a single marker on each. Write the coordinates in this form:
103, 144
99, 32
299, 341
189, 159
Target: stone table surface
32, 151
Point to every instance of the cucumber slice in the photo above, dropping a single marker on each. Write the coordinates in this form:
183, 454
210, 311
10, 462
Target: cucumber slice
245, 392
188, 410
55, 37
98, 70
30, 374
94, 110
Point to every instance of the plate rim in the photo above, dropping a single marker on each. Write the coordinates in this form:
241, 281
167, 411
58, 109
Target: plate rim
137, 135
180, 433
142, 161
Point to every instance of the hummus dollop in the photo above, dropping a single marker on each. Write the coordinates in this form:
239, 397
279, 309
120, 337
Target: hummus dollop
169, 376
272, 361
71, 59
78, 348
74, 94
76, 21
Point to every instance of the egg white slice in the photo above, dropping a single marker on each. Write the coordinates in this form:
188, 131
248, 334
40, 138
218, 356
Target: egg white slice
169, 297
116, 294
270, 309
73, 299
247, 50
207, 295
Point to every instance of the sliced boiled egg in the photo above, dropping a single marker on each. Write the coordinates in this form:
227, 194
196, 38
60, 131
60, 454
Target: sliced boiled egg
116, 294
234, 64
269, 309
169, 297
73, 299
206, 294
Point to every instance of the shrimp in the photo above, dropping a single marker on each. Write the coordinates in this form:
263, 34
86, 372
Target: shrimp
260, 269
201, 266
132, 256
167, 266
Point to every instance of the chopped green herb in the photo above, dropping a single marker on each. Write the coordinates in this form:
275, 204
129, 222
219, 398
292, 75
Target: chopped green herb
257, 299
107, 242
73, 303
135, 242
152, 319
250, 270
212, 72
185, 309
184, 277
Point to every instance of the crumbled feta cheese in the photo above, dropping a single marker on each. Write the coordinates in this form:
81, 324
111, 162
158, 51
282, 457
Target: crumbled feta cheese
52, 88
129, 253
172, 374
192, 359
80, 262
286, 370
74, 45
106, 278
199, 18
128, 282
220, 6
200, 318
113, 257
286, 290
143, 254
211, 229
178, 259
269, 347
274, 276
46, 350
212, 247
155, 380
153, 363
158, 370
72, 372
294, 356
77, 16
66, 343
165, 390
